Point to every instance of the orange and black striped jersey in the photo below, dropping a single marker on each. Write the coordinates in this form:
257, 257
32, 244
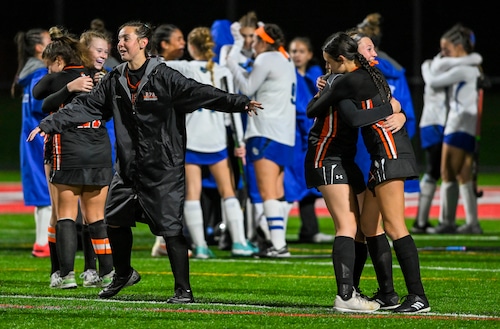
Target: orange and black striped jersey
85, 145
339, 113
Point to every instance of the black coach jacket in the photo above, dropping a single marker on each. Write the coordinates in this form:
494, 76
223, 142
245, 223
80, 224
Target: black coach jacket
150, 138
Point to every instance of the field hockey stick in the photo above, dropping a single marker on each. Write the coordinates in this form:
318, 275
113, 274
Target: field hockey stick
475, 164
234, 134
237, 145
459, 248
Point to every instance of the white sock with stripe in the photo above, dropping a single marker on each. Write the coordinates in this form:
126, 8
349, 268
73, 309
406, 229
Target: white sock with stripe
273, 211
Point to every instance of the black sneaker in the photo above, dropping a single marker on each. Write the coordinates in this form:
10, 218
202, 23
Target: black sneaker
413, 304
181, 297
118, 283
442, 229
469, 229
272, 252
387, 301
416, 229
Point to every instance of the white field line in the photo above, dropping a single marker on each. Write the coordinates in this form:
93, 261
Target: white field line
258, 309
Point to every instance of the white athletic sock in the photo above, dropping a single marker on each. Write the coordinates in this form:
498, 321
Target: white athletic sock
264, 227
274, 214
235, 220
257, 219
42, 222
224, 225
427, 190
193, 215
470, 203
251, 222
449, 202
287, 206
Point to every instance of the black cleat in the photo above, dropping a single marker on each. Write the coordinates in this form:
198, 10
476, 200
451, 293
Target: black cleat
387, 301
413, 304
181, 297
416, 229
272, 252
118, 283
442, 229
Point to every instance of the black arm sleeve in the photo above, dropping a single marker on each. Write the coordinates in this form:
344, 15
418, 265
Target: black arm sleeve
52, 102
318, 106
356, 117
83, 108
44, 87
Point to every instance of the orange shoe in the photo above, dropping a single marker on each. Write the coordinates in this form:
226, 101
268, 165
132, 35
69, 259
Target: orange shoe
41, 251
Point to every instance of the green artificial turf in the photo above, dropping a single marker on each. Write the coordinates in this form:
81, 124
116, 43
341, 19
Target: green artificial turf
462, 287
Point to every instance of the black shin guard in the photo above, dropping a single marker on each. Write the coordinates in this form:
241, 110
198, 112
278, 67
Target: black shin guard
343, 265
54, 260
179, 261
99, 235
66, 244
361, 254
121, 241
89, 255
406, 252
381, 255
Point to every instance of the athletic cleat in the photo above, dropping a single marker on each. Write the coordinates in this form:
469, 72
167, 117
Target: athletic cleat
159, 249
322, 238
90, 278
54, 279
387, 301
40, 251
271, 252
253, 246
360, 294
203, 253
119, 283
181, 297
442, 229
469, 229
416, 229
66, 282
413, 304
355, 304
107, 279
239, 249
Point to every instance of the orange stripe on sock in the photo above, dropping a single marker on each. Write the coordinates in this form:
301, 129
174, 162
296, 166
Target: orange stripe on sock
52, 234
101, 246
